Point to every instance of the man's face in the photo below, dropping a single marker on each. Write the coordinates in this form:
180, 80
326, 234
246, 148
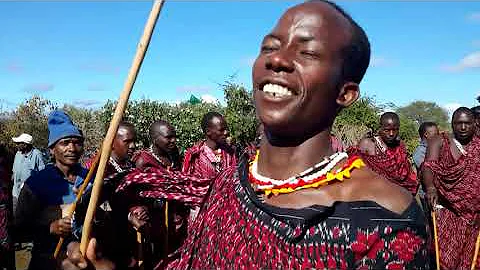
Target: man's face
389, 131
431, 131
166, 138
22, 147
297, 73
217, 130
68, 151
124, 143
463, 126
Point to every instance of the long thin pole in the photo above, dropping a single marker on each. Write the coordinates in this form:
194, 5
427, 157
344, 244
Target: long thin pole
475, 255
435, 237
117, 117
79, 195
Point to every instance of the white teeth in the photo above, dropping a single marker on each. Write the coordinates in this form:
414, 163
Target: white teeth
276, 90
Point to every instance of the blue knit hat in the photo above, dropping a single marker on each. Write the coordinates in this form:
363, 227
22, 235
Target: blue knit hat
61, 126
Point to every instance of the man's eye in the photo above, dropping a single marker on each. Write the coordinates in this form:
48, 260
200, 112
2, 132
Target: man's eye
267, 49
310, 54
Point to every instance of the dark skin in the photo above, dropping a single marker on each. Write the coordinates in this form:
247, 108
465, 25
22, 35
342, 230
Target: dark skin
216, 133
124, 144
164, 143
67, 153
388, 133
463, 126
24, 147
300, 54
431, 132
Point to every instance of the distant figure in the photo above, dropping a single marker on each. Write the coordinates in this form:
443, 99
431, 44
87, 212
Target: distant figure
213, 155
41, 213
6, 252
27, 160
387, 155
427, 130
476, 113
451, 173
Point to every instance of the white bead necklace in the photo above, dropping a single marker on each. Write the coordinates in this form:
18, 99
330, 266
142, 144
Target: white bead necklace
319, 169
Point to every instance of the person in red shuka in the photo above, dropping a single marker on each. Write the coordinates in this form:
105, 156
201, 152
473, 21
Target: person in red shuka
451, 173
387, 155
299, 205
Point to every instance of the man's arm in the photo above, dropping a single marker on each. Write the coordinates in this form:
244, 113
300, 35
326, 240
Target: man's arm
39, 163
367, 146
433, 154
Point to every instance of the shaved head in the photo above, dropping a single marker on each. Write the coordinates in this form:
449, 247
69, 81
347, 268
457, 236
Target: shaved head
386, 117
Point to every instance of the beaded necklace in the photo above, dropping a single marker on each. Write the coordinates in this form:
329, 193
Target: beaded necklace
158, 158
318, 175
115, 165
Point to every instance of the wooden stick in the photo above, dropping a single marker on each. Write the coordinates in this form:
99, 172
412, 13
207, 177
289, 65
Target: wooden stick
475, 255
117, 117
435, 237
71, 210
140, 250
166, 229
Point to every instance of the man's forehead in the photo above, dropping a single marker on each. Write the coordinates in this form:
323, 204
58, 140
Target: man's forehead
311, 15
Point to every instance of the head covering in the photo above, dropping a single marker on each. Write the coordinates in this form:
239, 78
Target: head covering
24, 138
60, 126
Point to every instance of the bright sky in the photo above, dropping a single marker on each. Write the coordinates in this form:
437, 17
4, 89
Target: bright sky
81, 52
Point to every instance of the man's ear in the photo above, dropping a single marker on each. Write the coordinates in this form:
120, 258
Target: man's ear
348, 94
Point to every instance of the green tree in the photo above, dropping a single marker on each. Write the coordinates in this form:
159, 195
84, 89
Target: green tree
421, 111
240, 113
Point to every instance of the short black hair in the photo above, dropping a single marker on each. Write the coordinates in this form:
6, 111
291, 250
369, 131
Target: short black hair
463, 110
423, 127
356, 55
207, 118
389, 115
126, 124
153, 127
476, 111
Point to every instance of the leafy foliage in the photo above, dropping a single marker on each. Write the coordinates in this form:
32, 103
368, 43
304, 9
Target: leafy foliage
422, 111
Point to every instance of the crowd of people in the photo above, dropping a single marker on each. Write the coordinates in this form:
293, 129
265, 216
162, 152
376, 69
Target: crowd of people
293, 198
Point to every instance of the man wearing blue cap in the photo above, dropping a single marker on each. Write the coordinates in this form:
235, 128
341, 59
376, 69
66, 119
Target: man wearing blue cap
46, 196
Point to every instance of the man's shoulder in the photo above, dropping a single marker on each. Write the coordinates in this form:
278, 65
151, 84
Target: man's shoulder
368, 185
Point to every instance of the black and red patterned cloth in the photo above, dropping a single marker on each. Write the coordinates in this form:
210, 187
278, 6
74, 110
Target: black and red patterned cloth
458, 184
393, 164
236, 230
200, 161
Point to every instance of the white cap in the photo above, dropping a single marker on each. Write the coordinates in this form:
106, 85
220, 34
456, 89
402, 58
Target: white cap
24, 138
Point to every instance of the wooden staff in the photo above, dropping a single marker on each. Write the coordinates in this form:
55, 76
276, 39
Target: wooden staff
166, 228
117, 117
79, 195
140, 250
435, 237
475, 255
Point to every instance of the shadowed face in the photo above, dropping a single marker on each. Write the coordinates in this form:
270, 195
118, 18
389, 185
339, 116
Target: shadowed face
217, 130
389, 130
165, 138
463, 125
297, 75
124, 143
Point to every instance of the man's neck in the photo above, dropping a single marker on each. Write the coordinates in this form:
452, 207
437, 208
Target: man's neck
283, 162
117, 159
160, 153
211, 144
67, 170
26, 151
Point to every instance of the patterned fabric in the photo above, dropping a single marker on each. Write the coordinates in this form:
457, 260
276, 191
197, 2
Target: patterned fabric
393, 164
149, 160
4, 239
236, 230
458, 184
200, 161
160, 183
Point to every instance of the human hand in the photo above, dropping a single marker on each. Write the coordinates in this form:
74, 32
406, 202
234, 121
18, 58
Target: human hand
432, 197
75, 260
138, 216
61, 227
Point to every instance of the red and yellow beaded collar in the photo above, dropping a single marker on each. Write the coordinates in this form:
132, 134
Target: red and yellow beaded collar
321, 174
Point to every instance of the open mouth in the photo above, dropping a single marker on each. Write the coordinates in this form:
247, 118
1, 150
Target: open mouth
276, 91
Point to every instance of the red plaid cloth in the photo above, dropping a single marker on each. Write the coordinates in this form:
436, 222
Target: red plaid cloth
159, 183
198, 161
458, 184
392, 164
